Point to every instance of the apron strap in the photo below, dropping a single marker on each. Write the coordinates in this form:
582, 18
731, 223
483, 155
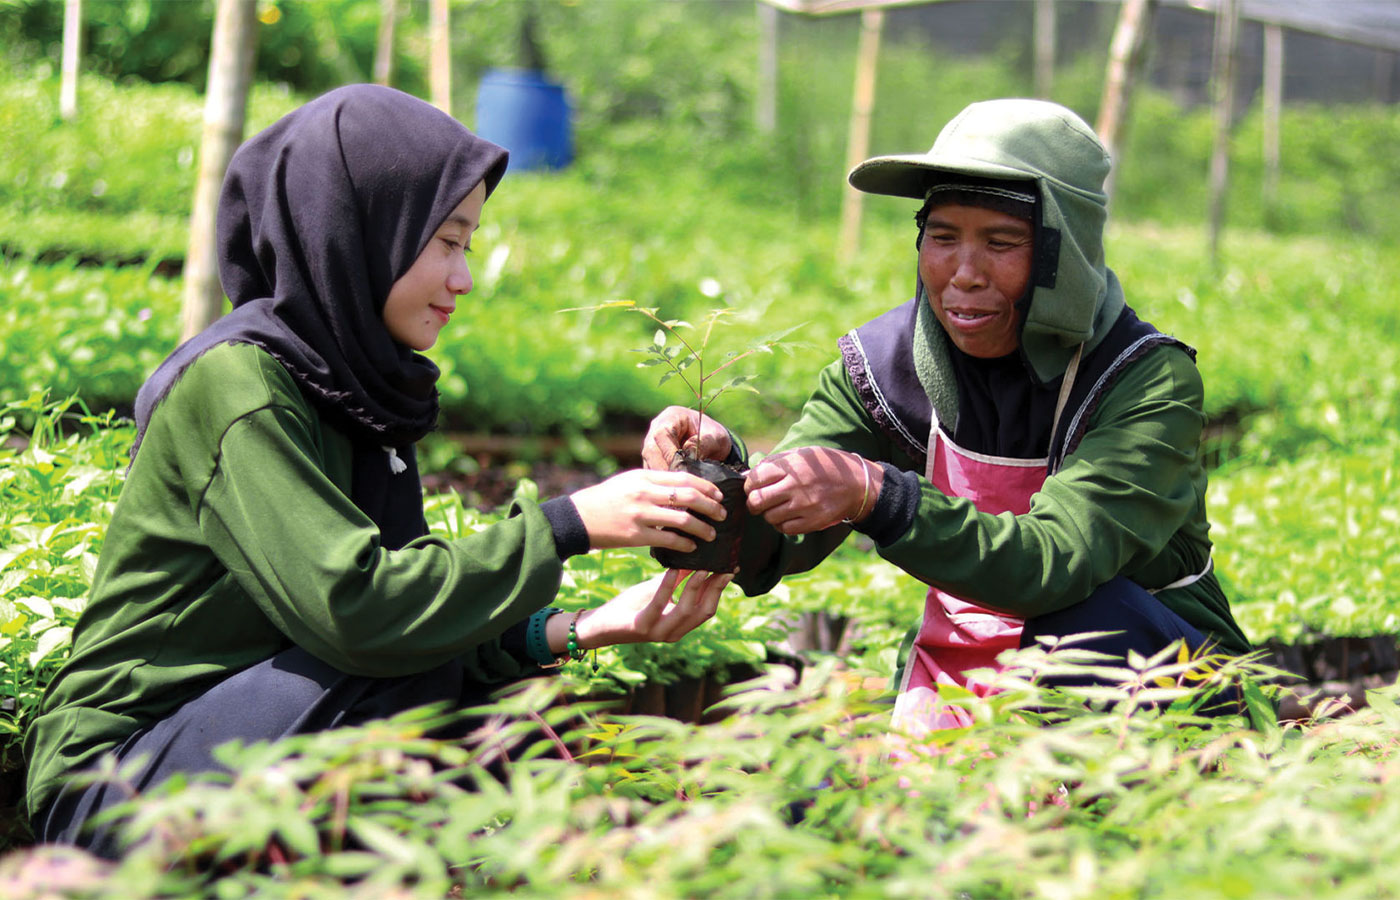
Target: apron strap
1188, 580
1066, 385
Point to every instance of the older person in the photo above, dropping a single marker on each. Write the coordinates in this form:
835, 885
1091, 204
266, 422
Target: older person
1014, 436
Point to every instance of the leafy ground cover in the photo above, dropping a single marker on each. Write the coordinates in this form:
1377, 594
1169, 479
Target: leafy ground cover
798, 792
1320, 368
1297, 563
90, 332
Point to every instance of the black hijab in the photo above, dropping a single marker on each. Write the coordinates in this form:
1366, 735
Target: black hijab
320, 214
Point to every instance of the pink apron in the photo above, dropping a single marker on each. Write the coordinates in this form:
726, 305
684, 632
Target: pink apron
957, 635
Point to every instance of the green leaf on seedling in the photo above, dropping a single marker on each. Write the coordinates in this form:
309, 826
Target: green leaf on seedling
659, 339
740, 383
1260, 709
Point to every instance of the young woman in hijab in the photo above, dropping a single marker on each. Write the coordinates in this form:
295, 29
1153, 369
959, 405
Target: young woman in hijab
1014, 436
268, 569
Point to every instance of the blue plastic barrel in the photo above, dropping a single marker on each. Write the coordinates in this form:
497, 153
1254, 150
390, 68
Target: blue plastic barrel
528, 115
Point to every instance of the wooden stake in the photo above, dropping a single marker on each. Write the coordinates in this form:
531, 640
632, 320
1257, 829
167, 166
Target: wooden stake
232, 47
1227, 17
1044, 48
858, 136
440, 55
384, 46
1273, 105
766, 100
72, 56
1125, 57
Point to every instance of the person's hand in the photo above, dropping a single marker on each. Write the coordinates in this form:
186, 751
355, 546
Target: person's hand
635, 508
650, 612
812, 488
676, 427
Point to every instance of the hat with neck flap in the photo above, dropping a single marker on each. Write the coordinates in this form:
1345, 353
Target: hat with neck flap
1075, 298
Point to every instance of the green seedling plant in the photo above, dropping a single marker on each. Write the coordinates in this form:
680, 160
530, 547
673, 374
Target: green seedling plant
683, 359
670, 350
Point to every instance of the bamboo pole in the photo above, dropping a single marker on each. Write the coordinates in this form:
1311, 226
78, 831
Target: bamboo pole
72, 56
1044, 48
1125, 57
1382, 72
1227, 19
440, 55
384, 45
858, 136
1273, 106
766, 100
231, 55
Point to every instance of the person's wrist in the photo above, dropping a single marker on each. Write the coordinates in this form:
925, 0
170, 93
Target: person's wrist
587, 631
538, 645
868, 490
589, 635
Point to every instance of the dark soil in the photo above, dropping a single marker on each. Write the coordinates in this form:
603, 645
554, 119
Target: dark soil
492, 487
721, 554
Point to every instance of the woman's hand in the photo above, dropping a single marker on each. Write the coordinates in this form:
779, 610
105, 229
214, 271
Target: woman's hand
812, 488
644, 612
634, 509
677, 426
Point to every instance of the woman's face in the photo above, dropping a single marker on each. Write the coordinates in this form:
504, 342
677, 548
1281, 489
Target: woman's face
422, 301
975, 264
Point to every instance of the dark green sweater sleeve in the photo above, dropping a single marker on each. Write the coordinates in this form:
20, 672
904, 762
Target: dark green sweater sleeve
311, 561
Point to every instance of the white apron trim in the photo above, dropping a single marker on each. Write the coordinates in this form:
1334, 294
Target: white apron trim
1188, 580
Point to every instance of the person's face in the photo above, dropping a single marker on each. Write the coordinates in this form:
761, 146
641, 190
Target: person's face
422, 301
975, 264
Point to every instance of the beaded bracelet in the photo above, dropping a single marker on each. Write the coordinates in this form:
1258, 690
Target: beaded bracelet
575, 651
536, 644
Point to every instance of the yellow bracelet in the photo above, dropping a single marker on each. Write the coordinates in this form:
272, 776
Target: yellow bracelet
864, 494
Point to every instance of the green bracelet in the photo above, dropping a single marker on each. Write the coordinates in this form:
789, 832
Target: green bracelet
575, 651
536, 645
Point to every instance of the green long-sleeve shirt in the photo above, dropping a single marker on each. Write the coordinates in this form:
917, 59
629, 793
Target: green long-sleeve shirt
235, 537
1130, 500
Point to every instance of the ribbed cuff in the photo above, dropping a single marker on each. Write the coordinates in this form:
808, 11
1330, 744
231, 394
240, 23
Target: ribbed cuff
895, 507
570, 535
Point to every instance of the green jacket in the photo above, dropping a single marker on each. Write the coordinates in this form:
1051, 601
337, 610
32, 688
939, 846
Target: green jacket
1130, 500
234, 537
